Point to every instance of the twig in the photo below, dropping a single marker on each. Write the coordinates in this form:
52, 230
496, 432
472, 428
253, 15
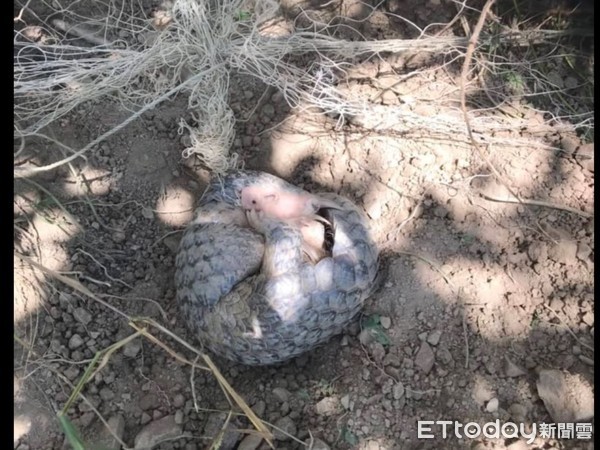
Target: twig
432, 264
466, 336
79, 32
537, 203
71, 283
463, 96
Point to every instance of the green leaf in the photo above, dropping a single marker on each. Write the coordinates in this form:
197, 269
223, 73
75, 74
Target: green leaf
371, 321
72, 435
303, 394
349, 436
243, 16
381, 337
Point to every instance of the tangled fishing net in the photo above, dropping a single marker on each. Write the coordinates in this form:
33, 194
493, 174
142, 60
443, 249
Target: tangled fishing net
114, 50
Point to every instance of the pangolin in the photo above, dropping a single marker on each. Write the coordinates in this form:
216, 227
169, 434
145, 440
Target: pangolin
267, 271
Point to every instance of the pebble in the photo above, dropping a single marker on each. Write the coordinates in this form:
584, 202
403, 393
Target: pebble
132, 348
434, 337
259, 408
268, 110
385, 322
106, 440
178, 401
213, 427
149, 401
250, 442
377, 351
327, 406
511, 369
398, 391
71, 373
118, 237
82, 315
518, 445
145, 418
157, 431
518, 412
106, 394
588, 318
425, 358
566, 399
365, 337
76, 341
492, 405
287, 425
281, 394
317, 444
179, 417
345, 401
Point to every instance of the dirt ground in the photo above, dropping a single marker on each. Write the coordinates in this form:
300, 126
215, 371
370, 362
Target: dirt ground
485, 312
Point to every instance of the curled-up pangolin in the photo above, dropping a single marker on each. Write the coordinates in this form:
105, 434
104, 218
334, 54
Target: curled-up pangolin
267, 271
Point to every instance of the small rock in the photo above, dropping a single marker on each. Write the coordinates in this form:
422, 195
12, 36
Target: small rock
250, 442
71, 373
365, 337
385, 322
511, 369
444, 355
287, 425
425, 358
178, 401
147, 213
389, 97
588, 319
179, 417
377, 351
492, 405
434, 337
76, 341
214, 427
106, 440
281, 394
567, 399
157, 431
317, 444
149, 401
268, 110
119, 236
392, 359
518, 445
145, 418
82, 315
518, 412
86, 419
259, 408
327, 406
398, 391
583, 251
345, 401
106, 394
